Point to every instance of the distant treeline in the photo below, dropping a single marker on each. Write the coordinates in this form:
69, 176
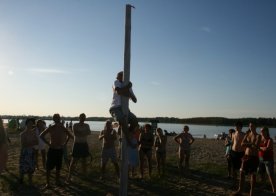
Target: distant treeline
270, 122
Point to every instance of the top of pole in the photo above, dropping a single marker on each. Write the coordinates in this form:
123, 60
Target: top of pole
128, 5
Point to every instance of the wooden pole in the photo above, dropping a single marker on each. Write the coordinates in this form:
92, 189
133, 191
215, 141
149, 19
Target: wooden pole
124, 157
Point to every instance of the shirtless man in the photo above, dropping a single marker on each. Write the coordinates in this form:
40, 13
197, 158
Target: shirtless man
250, 161
80, 148
237, 151
58, 137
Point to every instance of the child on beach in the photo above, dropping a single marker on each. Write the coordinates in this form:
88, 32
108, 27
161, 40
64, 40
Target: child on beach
27, 155
108, 136
146, 140
185, 140
228, 144
160, 150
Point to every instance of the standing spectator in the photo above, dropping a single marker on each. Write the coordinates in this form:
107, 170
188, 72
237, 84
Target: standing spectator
250, 161
3, 147
160, 150
185, 140
228, 144
109, 136
80, 147
133, 156
27, 154
266, 157
146, 140
41, 147
237, 151
58, 138
116, 110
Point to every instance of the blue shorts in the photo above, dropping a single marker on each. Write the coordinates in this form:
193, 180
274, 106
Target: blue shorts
118, 115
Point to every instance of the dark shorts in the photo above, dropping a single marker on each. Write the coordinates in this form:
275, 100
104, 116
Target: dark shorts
236, 159
80, 150
250, 164
266, 166
54, 159
118, 115
145, 151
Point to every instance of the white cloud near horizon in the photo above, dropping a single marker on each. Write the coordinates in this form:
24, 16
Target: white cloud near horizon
49, 71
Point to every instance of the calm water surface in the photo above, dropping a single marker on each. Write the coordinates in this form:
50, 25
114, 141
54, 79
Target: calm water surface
195, 130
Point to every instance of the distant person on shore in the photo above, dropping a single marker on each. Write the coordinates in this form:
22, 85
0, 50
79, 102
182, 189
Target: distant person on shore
28, 140
185, 140
228, 144
81, 132
237, 151
116, 110
146, 141
160, 143
250, 161
3, 147
41, 147
108, 136
266, 158
58, 137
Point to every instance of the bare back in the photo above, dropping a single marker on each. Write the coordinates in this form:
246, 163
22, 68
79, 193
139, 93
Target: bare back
237, 139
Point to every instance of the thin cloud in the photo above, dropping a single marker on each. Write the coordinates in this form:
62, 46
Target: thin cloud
10, 72
206, 29
49, 71
155, 83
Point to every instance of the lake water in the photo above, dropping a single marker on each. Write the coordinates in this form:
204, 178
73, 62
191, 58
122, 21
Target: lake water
196, 130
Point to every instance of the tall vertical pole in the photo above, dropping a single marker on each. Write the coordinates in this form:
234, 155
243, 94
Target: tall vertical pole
124, 158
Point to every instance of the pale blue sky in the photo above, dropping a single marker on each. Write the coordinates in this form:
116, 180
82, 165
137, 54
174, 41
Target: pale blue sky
189, 58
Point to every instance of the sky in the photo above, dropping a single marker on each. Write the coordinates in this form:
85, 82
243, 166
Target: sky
189, 58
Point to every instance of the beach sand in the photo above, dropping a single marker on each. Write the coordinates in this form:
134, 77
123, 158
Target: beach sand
207, 175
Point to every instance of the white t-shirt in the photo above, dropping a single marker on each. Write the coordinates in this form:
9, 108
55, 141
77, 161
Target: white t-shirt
116, 101
41, 145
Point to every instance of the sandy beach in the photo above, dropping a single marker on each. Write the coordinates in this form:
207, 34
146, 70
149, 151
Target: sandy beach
207, 174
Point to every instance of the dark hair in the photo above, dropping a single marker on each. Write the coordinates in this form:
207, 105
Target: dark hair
148, 126
30, 120
239, 124
231, 131
265, 129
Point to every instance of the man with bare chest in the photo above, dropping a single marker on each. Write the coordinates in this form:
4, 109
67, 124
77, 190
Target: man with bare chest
58, 137
250, 161
237, 151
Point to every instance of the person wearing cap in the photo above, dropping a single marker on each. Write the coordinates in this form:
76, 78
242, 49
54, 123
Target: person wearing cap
58, 137
116, 111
